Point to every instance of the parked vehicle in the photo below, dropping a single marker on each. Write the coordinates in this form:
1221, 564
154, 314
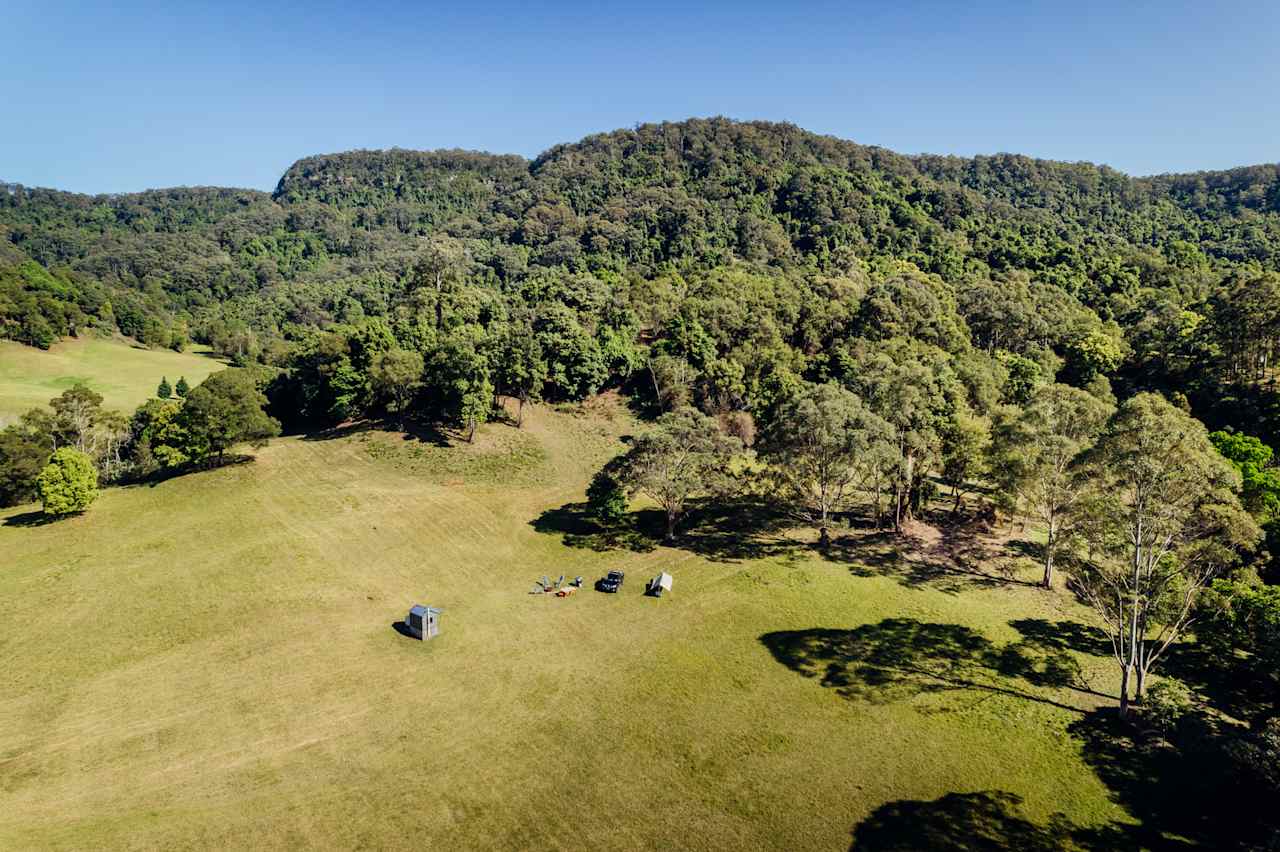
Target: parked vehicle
611, 582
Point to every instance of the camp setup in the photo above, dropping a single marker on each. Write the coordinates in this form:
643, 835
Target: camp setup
423, 621
558, 588
658, 585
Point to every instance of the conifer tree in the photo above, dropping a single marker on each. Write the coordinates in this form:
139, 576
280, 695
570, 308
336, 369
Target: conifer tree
164, 391
182, 387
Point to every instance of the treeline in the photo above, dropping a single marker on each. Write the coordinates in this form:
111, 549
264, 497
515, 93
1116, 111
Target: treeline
63, 453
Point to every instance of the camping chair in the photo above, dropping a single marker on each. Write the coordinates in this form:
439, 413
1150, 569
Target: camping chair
546, 584
560, 582
538, 589
577, 581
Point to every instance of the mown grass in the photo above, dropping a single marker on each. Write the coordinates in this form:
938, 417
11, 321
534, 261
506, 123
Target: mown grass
125, 375
210, 662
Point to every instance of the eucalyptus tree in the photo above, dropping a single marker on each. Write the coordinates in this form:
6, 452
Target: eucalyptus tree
1160, 520
913, 387
1032, 455
820, 448
684, 457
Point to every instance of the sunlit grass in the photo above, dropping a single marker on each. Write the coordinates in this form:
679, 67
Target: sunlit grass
210, 662
126, 375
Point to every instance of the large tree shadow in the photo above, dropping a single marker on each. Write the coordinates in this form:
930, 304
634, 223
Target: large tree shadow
958, 556
158, 477
900, 658
1214, 674
969, 822
718, 531
731, 531
411, 430
1184, 787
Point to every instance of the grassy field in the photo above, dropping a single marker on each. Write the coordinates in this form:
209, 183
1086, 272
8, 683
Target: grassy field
125, 375
211, 662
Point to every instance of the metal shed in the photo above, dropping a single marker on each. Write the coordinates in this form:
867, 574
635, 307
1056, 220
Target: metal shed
423, 621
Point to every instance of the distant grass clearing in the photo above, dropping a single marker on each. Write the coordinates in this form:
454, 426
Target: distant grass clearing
125, 375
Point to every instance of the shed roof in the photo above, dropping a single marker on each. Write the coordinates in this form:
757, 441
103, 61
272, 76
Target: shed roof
419, 609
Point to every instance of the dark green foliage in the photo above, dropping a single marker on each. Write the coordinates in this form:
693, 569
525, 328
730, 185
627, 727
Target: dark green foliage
181, 387
165, 390
606, 495
223, 410
1031, 252
1260, 491
24, 449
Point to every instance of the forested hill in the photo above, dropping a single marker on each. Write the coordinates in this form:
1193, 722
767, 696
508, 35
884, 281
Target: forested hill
640, 235
699, 192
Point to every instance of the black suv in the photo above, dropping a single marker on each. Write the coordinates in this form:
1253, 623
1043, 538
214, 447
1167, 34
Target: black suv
610, 583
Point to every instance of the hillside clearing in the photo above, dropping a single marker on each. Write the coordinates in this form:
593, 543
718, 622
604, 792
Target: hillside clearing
126, 375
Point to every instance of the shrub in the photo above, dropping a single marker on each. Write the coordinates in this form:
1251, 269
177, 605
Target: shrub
68, 483
1166, 703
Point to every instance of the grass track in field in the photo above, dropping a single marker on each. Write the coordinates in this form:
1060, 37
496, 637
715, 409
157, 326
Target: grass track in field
210, 662
126, 375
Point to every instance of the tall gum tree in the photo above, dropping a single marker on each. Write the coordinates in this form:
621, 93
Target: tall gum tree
1160, 520
820, 447
1032, 457
684, 456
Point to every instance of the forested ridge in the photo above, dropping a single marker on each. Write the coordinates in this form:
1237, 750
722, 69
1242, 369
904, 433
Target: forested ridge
692, 194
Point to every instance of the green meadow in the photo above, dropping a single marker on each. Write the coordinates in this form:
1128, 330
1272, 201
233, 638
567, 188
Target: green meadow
210, 661
124, 373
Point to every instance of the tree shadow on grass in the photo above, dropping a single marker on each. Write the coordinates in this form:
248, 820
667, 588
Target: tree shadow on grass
33, 519
1184, 787
959, 560
1224, 681
1208, 671
900, 658
968, 822
573, 522
722, 532
411, 430
155, 478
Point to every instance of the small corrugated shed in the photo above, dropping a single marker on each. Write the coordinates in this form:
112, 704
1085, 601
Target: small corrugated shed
423, 621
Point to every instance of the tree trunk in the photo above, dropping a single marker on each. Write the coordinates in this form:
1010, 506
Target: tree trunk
824, 537
671, 525
904, 509
1124, 691
520, 412
897, 507
1047, 582
1140, 682
439, 300
471, 430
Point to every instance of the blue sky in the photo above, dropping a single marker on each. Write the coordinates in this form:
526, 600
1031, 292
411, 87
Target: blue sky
118, 97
